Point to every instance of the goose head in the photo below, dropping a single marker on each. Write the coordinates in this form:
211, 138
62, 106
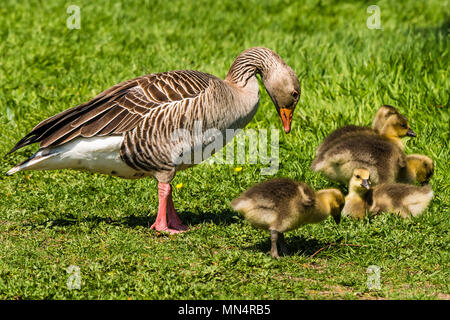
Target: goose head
279, 79
283, 87
360, 181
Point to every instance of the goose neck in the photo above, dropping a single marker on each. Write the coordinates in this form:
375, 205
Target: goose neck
251, 62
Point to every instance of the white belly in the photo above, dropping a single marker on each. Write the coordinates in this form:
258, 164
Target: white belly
96, 154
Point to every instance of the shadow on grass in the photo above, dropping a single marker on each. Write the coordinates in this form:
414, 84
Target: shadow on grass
296, 245
132, 221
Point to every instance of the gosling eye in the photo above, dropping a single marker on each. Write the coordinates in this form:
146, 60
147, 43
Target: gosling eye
358, 176
294, 94
404, 126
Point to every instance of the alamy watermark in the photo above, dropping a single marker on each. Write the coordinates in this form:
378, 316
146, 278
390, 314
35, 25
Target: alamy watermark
252, 147
373, 21
74, 20
74, 280
374, 277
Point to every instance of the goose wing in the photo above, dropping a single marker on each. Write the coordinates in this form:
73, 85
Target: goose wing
118, 109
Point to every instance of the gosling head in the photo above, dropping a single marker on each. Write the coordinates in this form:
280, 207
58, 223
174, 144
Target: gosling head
421, 167
397, 126
391, 123
336, 204
360, 181
382, 115
334, 200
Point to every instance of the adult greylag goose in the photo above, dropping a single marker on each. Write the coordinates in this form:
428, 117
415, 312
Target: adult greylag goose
127, 130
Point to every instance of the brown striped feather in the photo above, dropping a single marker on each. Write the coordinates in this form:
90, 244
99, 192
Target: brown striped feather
101, 116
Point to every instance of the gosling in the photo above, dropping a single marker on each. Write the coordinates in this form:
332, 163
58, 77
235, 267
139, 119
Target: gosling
419, 168
355, 201
281, 205
379, 149
403, 199
382, 123
380, 156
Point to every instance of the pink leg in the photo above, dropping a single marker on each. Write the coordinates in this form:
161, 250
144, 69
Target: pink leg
167, 219
174, 220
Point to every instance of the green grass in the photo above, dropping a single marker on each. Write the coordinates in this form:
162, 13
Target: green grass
51, 220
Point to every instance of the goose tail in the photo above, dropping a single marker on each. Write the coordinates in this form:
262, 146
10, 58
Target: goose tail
32, 163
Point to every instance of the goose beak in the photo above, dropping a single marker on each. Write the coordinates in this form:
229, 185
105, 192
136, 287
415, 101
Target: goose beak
366, 184
286, 118
411, 133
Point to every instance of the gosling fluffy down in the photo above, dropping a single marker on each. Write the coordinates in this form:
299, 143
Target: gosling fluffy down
403, 199
379, 149
381, 157
385, 116
281, 205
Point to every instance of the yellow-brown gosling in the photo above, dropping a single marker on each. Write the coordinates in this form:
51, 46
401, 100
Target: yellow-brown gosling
419, 168
380, 156
385, 115
379, 149
403, 199
281, 205
355, 202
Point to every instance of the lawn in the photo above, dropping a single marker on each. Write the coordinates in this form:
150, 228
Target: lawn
100, 224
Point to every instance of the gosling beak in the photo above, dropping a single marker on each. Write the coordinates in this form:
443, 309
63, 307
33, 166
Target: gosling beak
411, 133
286, 118
366, 184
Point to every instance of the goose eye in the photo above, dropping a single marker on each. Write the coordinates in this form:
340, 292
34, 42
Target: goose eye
294, 94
